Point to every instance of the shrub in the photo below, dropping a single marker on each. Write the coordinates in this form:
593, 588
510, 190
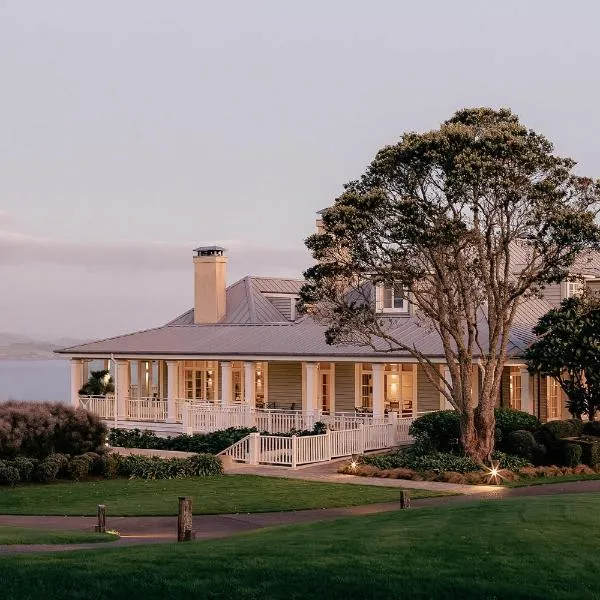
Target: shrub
523, 443
25, 467
152, 467
509, 420
555, 430
9, 475
509, 461
440, 430
569, 454
78, 468
205, 464
38, 429
436, 461
46, 471
109, 465
208, 443
590, 451
592, 428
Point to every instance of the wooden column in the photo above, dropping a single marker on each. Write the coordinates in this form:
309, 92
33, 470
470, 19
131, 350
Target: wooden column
184, 519
310, 401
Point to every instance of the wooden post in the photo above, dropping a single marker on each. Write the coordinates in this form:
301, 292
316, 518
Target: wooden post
184, 519
101, 527
404, 499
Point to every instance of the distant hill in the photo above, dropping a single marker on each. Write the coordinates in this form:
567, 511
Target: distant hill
16, 346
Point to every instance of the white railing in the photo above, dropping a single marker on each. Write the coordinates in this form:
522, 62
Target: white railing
281, 421
295, 450
102, 406
146, 409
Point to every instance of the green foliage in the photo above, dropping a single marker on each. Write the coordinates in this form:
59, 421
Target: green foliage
108, 465
590, 451
439, 430
567, 349
510, 461
210, 443
592, 428
152, 467
100, 383
554, 430
25, 466
569, 454
523, 443
434, 461
509, 420
9, 474
46, 471
78, 468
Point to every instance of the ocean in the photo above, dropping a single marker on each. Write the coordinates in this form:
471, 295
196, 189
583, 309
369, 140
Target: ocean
46, 380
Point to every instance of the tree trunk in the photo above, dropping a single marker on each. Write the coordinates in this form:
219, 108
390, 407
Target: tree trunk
477, 434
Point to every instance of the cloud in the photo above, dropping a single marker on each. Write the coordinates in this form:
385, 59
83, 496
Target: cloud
22, 250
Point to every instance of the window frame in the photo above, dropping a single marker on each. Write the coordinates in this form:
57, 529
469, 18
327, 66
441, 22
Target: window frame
380, 294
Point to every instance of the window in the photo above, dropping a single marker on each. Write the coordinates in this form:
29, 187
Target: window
554, 398
366, 386
237, 381
515, 388
260, 382
574, 288
399, 388
325, 386
391, 298
199, 379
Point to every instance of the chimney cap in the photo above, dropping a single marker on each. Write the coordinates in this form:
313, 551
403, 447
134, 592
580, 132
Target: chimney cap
209, 251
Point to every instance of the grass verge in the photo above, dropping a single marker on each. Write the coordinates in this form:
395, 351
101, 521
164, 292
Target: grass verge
210, 495
534, 548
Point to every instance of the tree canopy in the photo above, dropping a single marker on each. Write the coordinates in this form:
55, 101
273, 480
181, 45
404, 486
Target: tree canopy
471, 219
568, 349
100, 383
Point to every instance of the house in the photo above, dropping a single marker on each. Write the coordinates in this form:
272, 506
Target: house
242, 354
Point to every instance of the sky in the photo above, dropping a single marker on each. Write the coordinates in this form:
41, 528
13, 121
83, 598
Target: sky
132, 131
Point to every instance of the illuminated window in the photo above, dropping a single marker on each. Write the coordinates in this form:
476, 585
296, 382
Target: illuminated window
515, 388
399, 387
200, 381
554, 398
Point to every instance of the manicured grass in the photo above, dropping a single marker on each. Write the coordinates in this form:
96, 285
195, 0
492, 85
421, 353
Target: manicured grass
22, 535
211, 495
550, 480
533, 548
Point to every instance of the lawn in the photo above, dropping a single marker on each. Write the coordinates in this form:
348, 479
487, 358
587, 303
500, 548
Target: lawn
211, 495
532, 548
22, 535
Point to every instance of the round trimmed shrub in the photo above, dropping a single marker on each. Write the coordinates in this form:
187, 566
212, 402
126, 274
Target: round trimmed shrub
78, 468
9, 475
555, 430
569, 454
523, 443
509, 420
109, 465
46, 471
439, 430
25, 467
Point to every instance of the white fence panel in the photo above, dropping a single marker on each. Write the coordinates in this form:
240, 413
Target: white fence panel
402, 427
147, 409
276, 450
346, 442
102, 406
240, 451
313, 449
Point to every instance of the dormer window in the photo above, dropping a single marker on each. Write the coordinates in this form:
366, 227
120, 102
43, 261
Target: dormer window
391, 298
574, 289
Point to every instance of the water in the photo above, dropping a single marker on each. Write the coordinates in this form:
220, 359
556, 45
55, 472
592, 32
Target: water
47, 380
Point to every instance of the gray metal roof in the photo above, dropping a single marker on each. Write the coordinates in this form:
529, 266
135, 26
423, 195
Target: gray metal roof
254, 327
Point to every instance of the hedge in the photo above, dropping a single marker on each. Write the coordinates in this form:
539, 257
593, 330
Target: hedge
207, 443
38, 429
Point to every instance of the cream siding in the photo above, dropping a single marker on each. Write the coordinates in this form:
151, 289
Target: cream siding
285, 385
344, 387
553, 293
428, 397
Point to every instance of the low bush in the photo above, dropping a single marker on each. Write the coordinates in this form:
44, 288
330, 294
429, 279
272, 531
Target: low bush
590, 449
9, 475
509, 420
152, 467
78, 468
37, 429
108, 465
523, 443
440, 430
202, 443
510, 461
25, 466
46, 471
552, 431
592, 428
435, 461
569, 454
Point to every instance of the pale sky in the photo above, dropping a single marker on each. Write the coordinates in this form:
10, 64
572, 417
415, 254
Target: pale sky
133, 130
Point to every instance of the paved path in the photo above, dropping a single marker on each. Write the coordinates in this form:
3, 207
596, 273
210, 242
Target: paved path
146, 530
327, 473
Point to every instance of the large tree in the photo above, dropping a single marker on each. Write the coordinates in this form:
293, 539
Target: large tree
568, 349
470, 219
